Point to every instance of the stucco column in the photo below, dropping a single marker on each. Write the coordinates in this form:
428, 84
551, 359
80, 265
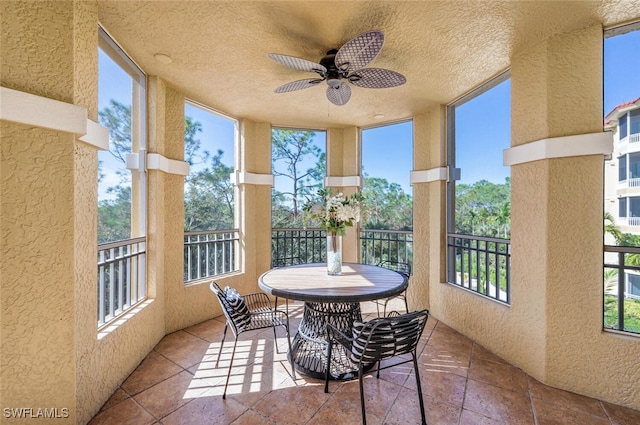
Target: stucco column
557, 215
343, 160
165, 209
254, 203
47, 209
429, 205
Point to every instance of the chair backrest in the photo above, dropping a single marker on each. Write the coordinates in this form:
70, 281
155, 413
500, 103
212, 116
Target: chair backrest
236, 312
398, 266
383, 338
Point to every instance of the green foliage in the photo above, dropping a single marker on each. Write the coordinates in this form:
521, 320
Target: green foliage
209, 197
387, 206
290, 148
631, 313
208, 192
117, 118
484, 209
114, 216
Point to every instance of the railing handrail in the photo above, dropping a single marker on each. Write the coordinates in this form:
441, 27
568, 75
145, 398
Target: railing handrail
297, 229
625, 249
123, 242
400, 232
209, 232
479, 238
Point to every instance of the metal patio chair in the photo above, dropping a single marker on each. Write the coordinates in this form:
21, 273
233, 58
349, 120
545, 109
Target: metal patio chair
246, 313
377, 340
400, 267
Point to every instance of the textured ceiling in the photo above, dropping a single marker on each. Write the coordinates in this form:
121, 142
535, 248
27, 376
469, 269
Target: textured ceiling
444, 48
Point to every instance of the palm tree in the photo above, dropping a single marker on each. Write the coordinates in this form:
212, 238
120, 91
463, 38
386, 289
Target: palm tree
611, 228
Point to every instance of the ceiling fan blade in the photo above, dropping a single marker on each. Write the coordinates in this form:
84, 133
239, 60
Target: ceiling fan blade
298, 63
360, 51
376, 78
298, 85
339, 95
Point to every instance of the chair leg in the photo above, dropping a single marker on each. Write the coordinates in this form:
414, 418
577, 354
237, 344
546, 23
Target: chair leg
406, 305
326, 376
233, 353
275, 339
360, 379
415, 366
290, 354
224, 334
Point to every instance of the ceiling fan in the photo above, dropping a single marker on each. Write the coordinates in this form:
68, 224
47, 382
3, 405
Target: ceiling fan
346, 64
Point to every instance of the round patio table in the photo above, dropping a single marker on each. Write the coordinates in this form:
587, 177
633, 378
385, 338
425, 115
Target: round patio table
328, 299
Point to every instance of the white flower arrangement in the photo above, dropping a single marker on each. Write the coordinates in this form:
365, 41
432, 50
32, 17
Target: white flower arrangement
336, 212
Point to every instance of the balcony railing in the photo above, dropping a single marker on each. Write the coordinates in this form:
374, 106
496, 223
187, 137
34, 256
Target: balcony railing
633, 138
480, 264
292, 246
628, 221
621, 309
210, 253
121, 277
386, 245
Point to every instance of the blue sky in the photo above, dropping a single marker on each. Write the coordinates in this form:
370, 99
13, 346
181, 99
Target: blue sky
482, 124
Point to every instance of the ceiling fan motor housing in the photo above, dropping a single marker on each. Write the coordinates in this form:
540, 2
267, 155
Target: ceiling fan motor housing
334, 74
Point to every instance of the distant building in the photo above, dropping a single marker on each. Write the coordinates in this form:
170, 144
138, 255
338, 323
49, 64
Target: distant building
622, 177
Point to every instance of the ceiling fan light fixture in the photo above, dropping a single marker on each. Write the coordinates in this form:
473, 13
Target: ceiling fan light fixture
334, 82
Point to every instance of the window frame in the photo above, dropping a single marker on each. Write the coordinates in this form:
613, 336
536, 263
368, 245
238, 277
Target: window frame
456, 242
122, 262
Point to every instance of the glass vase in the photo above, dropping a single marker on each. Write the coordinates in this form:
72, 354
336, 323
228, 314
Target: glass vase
334, 254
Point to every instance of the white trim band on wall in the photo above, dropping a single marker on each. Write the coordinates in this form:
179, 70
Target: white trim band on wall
560, 147
38, 111
244, 177
342, 181
427, 176
155, 161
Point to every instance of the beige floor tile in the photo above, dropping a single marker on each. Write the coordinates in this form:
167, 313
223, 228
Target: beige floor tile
498, 403
128, 412
206, 411
565, 399
553, 414
153, 369
170, 394
292, 406
621, 415
501, 375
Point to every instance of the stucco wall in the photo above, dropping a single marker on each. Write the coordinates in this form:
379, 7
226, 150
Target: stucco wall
37, 226
553, 327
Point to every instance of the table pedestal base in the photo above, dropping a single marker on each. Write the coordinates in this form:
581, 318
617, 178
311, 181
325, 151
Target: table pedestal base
309, 346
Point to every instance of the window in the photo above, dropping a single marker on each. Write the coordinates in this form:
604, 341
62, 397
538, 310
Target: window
633, 288
622, 168
622, 226
622, 122
299, 166
121, 185
387, 158
210, 237
634, 119
479, 190
622, 207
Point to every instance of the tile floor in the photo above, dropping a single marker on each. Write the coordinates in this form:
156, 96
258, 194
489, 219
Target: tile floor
462, 383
